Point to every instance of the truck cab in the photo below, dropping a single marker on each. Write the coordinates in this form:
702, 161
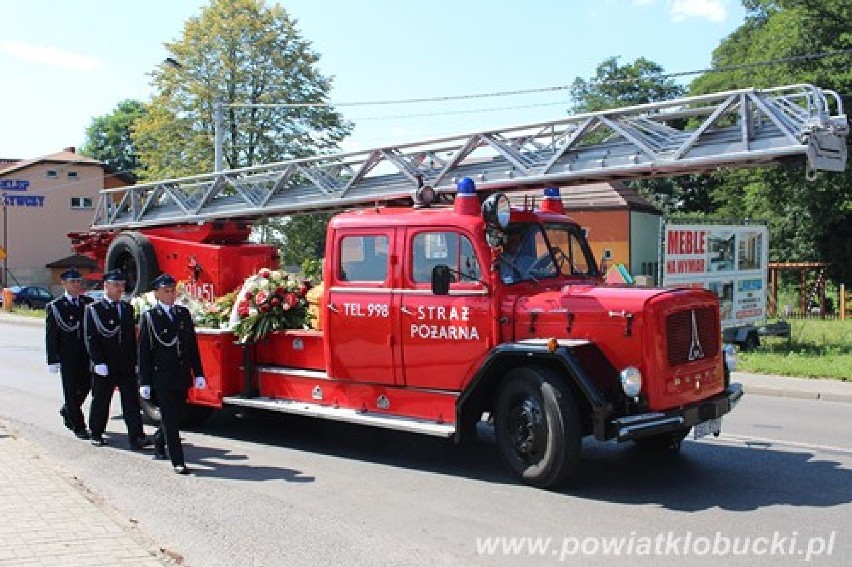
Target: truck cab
503, 310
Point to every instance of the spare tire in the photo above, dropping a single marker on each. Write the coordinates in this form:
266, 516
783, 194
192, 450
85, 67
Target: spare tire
133, 254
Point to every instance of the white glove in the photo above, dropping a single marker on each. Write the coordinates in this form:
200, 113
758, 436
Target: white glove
200, 382
53, 368
145, 392
101, 369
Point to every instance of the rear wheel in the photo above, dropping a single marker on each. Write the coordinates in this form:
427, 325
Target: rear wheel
752, 341
538, 426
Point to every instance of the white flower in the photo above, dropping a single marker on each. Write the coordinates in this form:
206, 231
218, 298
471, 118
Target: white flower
252, 312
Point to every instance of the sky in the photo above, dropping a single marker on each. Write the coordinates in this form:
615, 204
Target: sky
65, 62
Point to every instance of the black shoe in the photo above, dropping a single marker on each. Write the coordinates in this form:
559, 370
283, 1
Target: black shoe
98, 441
141, 442
63, 411
82, 434
182, 469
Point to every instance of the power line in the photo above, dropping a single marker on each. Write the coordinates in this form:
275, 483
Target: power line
555, 88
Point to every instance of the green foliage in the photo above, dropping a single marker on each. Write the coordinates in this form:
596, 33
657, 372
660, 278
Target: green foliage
808, 220
238, 52
816, 349
615, 86
312, 269
297, 238
109, 137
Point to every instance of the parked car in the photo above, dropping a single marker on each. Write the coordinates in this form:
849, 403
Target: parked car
31, 296
95, 294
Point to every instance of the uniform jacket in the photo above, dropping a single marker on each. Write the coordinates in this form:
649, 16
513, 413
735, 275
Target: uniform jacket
168, 349
64, 337
111, 340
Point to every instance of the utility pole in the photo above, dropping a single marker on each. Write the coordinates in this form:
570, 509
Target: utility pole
218, 134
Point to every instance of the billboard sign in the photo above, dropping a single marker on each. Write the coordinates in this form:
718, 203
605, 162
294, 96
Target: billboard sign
729, 260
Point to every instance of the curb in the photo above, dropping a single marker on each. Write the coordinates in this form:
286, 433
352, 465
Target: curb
798, 394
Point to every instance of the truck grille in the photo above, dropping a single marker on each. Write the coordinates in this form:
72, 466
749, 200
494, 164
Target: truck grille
684, 345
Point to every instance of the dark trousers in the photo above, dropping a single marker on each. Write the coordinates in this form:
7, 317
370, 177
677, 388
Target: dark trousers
172, 407
76, 384
102, 388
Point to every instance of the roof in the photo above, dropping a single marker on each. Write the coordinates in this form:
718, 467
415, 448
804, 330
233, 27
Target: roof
64, 156
75, 261
597, 196
7, 162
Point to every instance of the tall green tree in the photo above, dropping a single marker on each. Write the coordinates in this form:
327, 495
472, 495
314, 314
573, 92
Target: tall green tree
109, 137
642, 81
628, 84
238, 52
788, 42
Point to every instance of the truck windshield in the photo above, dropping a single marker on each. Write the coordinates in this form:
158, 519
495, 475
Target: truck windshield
533, 252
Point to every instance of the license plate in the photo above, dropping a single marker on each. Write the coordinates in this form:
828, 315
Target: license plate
705, 428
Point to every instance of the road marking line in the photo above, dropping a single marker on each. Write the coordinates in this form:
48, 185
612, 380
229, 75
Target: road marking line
768, 441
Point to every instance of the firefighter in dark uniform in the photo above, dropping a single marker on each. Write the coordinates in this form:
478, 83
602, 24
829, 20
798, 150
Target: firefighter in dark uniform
66, 349
110, 331
168, 361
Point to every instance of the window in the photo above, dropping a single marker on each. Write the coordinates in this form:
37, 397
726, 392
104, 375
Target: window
363, 258
431, 249
52, 174
81, 202
72, 175
531, 253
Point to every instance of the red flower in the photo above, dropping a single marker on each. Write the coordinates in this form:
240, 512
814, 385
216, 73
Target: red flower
275, 301
292, 300
264, 272
280, 291
261, 297
264, 308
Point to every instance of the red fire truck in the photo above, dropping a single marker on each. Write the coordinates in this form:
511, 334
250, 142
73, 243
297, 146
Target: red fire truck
445, 305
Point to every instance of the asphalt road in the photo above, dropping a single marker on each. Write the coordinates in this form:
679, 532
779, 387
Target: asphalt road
280, 490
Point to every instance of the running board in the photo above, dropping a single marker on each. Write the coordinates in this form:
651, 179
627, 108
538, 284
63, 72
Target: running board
397, 423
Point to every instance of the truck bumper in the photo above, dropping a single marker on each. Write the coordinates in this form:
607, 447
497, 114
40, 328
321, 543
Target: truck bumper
642, 425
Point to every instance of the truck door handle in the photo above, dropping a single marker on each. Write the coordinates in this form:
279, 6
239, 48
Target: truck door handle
331, 307
405, 310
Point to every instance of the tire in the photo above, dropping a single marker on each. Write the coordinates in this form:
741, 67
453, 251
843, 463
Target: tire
133, 253
537, 423
193, 416
752, 341
663, 441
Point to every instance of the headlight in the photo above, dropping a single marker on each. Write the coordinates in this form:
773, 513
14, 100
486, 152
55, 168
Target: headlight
730, 357
631, 381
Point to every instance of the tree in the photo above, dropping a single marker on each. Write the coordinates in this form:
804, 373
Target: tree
109, 137
785, 43
615, 86
641, 82
238, 52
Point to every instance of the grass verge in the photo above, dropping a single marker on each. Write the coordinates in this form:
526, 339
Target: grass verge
815, 349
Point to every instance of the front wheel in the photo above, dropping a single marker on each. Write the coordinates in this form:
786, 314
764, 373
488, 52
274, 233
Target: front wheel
538, 426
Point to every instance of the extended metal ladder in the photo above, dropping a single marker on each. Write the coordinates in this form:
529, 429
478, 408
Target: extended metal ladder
689, 135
